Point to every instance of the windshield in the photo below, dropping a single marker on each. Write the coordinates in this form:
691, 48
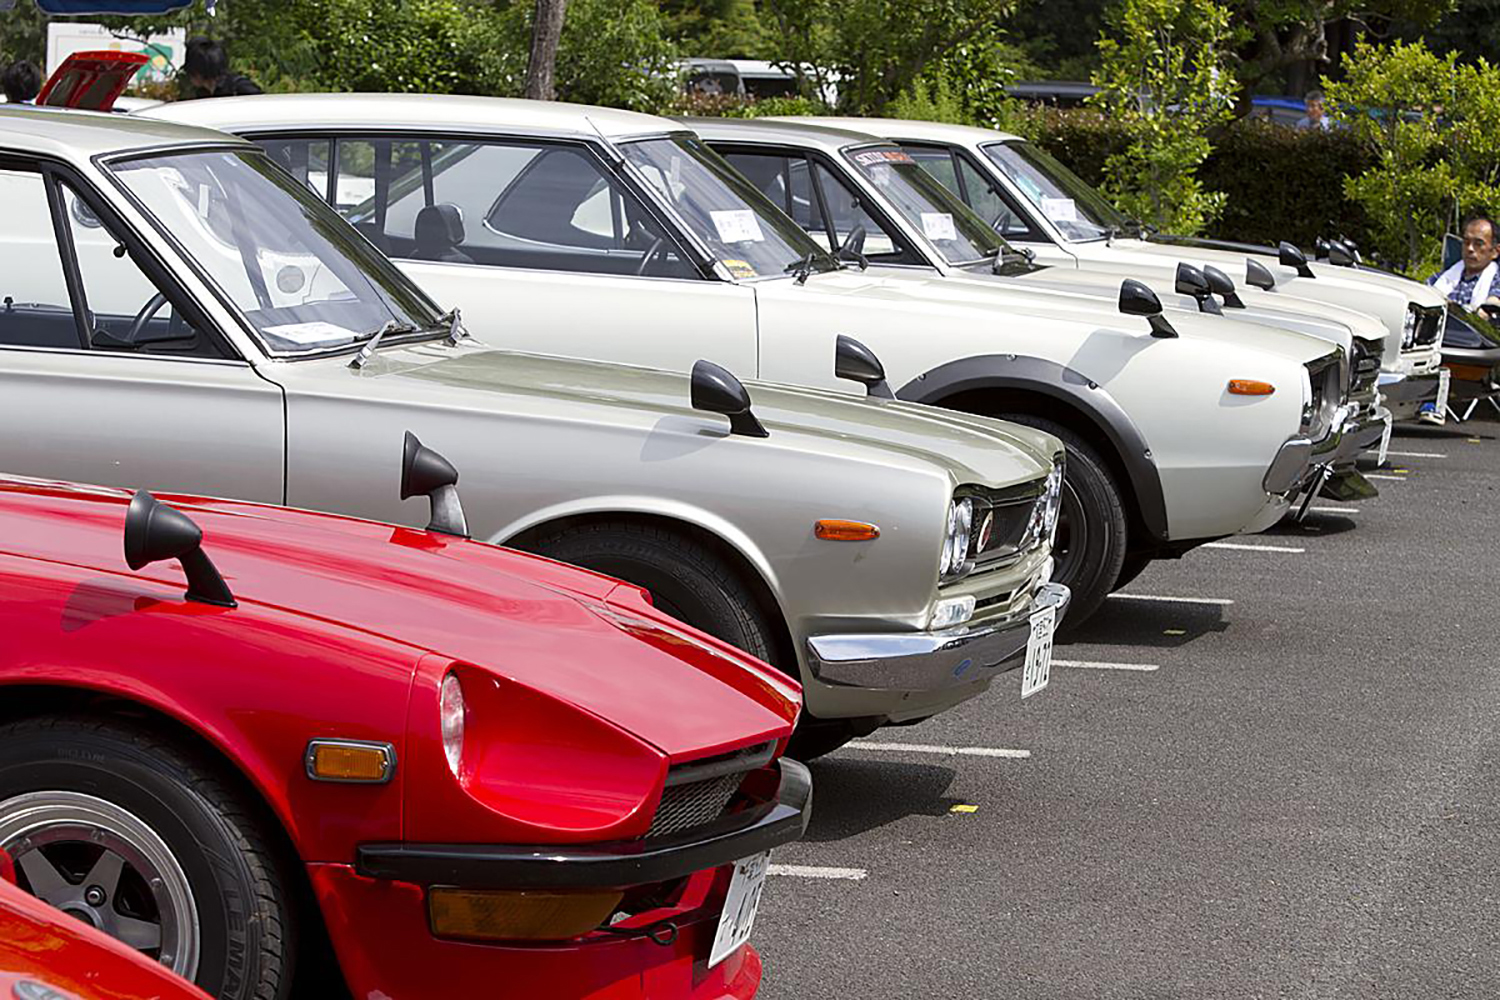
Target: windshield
749, 235
304, 279
957, 233
1066, 200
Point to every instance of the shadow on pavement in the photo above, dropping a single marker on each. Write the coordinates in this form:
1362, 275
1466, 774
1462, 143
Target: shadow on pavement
1315, 524
1156, 624
856, 791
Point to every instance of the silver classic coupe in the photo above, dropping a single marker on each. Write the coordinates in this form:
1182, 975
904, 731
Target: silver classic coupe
181, 313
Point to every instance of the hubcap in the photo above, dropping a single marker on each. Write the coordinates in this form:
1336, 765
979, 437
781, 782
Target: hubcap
104, 865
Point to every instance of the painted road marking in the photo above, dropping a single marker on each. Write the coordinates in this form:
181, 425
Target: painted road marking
1333, 510
932, 748
1241, 547
1223, 602
813, 871
1144, 668
1391, 479
1416, 454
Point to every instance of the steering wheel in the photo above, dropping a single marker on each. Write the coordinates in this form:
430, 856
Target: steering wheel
657, 249
152, 306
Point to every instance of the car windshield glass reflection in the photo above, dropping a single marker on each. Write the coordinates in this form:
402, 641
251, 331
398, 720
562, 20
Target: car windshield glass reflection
297, 272
949, 225
1066, 200
751, 237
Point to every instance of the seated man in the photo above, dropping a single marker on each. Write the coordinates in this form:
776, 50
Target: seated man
1471, 283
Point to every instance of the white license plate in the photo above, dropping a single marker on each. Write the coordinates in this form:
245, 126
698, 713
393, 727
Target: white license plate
738, 918
1038, 669
1385, 441
1445, 377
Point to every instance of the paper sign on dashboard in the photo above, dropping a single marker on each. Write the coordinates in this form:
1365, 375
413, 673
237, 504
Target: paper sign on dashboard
316, 334
1060, 209
737, 226
938, 226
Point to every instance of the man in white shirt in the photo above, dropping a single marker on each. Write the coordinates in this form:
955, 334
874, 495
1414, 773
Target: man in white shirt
1317, 115
1473, 282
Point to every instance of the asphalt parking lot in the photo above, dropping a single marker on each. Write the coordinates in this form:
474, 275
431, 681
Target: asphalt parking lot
1278, 780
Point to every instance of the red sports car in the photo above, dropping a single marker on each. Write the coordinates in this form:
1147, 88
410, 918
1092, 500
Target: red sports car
45, 955
467, 769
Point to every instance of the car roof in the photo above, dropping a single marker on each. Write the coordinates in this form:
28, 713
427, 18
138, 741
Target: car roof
801, 132
908, 129
78, 135
432, 112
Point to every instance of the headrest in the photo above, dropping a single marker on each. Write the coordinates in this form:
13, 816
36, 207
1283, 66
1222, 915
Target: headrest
442, 223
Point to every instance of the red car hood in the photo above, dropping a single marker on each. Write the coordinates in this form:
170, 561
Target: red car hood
577, 636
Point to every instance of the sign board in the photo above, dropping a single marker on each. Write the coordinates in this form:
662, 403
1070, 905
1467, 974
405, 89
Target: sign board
164, 53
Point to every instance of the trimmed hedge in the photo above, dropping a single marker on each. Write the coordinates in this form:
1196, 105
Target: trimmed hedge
1282, 183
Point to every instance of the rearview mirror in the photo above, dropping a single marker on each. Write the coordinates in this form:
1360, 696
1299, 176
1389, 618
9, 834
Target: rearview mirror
1191, 281
155, 532
1137, 299
854, 361
715, 390
1222, 285
1291, 256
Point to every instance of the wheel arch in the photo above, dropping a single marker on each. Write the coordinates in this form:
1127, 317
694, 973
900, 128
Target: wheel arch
993, 385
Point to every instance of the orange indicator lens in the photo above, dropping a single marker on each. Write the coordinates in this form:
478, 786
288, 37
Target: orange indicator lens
834, 530
1250, 387
335, 760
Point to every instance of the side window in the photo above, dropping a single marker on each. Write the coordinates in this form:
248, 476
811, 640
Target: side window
938, 163
304, 159
786, 180
846, 211
35, 310
993, 206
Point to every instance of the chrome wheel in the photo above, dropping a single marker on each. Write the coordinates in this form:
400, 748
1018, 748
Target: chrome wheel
102, 864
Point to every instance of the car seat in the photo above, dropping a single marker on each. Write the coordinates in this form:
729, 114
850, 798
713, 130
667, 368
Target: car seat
438, 232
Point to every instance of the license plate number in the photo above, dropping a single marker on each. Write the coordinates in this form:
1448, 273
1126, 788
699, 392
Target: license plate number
1038, 669
1445, 378
738, 918
1385, 441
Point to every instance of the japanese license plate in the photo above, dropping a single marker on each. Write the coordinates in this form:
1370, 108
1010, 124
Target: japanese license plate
1038, 669
738, 918
1445, 376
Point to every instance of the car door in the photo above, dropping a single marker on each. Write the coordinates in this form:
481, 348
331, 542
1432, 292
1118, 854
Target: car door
539, 242
108, 374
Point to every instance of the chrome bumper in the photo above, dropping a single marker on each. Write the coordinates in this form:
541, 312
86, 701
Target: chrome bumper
1397, 388
1300, 458
931, 661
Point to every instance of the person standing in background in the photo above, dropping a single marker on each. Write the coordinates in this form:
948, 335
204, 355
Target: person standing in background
21, 81
1317, 114
207, 69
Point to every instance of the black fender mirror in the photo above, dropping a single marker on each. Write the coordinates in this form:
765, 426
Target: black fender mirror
854, 361
715, 390
1341, 255
1222, 285
426, 473
1291, 256
1258, 275
1137, 299
1191, 281
853, 248
154, 532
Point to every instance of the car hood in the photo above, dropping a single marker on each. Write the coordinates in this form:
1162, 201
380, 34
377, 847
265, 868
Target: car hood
972, 449
576, 636
1014, 303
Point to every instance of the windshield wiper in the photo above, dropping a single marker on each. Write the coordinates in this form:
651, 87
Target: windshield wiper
368, 351
801, 267
457, 332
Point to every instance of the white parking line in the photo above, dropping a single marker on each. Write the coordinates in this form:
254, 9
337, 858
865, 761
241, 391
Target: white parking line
931, 748
1144, 668
1415, 454
1333, 510
1393, 479
812, 871
1241, 547
1220, 601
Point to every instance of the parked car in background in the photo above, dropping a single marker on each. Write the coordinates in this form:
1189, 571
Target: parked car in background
1038, 203
623, 237
839, 538
459, 765
49, 955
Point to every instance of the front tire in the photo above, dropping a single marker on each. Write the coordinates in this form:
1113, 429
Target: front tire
1091, 531
132, 835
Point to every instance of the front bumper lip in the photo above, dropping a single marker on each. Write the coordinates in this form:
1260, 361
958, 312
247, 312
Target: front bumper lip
931, 661
1301, 457
612, 864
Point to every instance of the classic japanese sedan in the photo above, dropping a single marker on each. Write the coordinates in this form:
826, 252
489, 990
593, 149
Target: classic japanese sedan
623, 237
182, 313
1038, 203
457, 764
47, 955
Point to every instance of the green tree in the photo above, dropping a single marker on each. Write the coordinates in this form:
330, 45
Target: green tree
1431, 125
718, 29
1164, 76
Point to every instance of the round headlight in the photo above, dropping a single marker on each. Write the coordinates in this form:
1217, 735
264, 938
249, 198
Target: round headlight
956, 541
452, 715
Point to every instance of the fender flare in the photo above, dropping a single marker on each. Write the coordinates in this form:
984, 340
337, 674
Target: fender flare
1072, 389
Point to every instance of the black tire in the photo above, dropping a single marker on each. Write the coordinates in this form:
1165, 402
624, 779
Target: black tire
1092, 508
687, 580
209, 841
1135, 564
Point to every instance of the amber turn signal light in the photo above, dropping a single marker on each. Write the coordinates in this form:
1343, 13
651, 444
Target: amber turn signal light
354, 761
835, 530
517, 914
1250, 387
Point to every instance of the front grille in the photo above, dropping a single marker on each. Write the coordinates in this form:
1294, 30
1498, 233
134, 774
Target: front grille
1000, 520
700, 791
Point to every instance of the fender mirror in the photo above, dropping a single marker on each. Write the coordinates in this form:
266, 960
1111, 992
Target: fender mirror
155, 532
853, 248
1137, 299
1291, 256
715, 390
1258, 275
857, 363
1339, 254
1222, 285
1191, 281
426, 473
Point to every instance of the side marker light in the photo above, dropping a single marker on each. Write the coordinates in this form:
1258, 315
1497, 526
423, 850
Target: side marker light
835, 530
1250, 387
